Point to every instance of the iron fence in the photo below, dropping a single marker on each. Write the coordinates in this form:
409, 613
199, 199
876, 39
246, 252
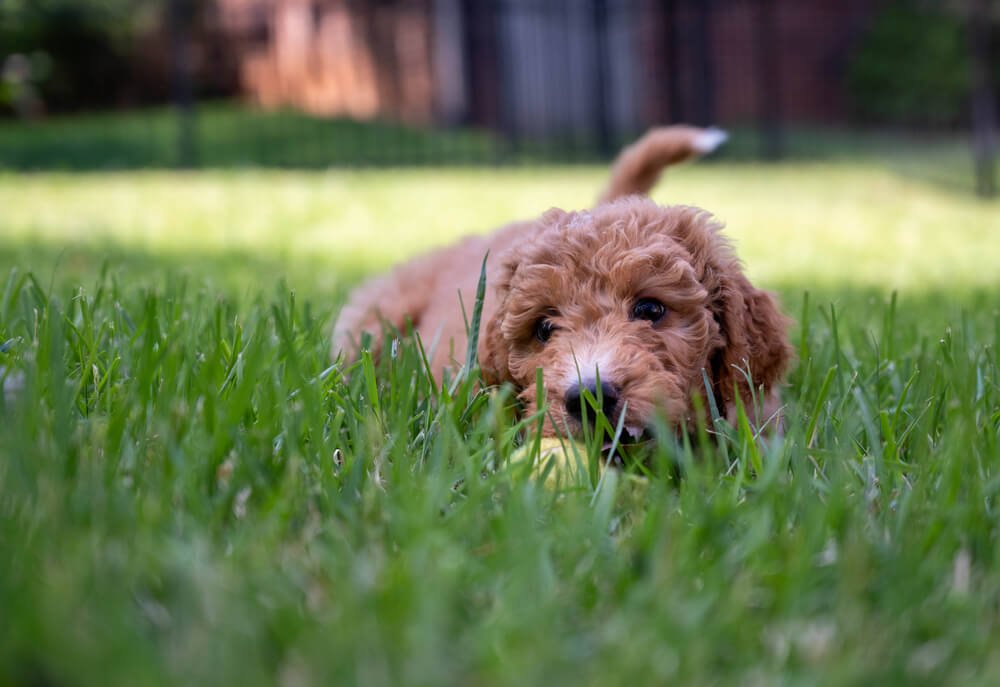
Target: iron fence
315, 83
522, 80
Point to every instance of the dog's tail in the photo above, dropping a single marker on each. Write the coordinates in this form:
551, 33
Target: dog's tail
638, 166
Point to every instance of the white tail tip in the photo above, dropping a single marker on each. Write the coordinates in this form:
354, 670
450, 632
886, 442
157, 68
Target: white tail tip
709, 139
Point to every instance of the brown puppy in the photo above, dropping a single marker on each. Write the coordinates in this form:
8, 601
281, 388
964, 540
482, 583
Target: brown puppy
638, 296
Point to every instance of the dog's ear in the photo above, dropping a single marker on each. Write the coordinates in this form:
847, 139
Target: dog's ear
493, 348
754, 339
493, 351
753, 333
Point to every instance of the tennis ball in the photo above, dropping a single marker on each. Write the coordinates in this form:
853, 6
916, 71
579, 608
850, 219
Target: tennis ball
565, 456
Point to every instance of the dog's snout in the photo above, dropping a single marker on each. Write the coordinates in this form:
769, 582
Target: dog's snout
608, 395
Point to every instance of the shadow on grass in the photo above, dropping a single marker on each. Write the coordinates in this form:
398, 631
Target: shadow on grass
232, 274
326, 280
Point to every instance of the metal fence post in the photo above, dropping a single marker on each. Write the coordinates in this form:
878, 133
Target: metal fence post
471, 40
768, 82
505, 82
984, 144
705, 68
181, 16
671, 37
602, 124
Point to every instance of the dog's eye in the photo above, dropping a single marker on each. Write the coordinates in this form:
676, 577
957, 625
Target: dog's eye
648, 309
544, 329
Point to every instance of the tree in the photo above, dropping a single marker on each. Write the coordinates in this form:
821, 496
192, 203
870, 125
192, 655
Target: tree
84, 43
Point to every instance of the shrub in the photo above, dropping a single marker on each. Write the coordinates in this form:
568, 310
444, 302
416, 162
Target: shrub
85, 43
912, 66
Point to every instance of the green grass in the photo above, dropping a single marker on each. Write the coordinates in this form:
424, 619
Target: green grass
230, 135
226, 135
191, 494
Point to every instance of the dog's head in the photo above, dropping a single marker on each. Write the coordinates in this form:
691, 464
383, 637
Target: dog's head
631, 301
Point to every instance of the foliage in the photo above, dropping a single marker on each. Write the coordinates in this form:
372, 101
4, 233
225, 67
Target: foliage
86, 44
912, 66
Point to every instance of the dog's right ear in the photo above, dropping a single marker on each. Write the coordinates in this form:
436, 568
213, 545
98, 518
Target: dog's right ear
493, 351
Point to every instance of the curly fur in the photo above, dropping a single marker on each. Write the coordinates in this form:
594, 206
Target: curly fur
584, 271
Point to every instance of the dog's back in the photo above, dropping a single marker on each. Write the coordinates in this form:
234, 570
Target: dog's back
423, 292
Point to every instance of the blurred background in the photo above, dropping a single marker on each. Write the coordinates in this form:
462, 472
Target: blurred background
318, 141
99, 84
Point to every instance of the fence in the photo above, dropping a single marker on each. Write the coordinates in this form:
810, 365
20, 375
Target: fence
314, 83
540, 79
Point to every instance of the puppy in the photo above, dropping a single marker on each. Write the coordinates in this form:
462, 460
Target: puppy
636, 303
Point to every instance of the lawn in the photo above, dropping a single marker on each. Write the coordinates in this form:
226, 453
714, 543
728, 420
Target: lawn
191, 494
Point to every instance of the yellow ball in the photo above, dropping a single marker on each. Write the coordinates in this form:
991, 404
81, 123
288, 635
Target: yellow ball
562, 461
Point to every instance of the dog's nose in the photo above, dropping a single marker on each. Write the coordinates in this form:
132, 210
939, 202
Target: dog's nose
609, 399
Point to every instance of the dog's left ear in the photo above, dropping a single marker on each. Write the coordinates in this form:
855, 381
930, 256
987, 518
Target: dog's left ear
754, 335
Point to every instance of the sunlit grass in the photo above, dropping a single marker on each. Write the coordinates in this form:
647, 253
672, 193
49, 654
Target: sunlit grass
798, 224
